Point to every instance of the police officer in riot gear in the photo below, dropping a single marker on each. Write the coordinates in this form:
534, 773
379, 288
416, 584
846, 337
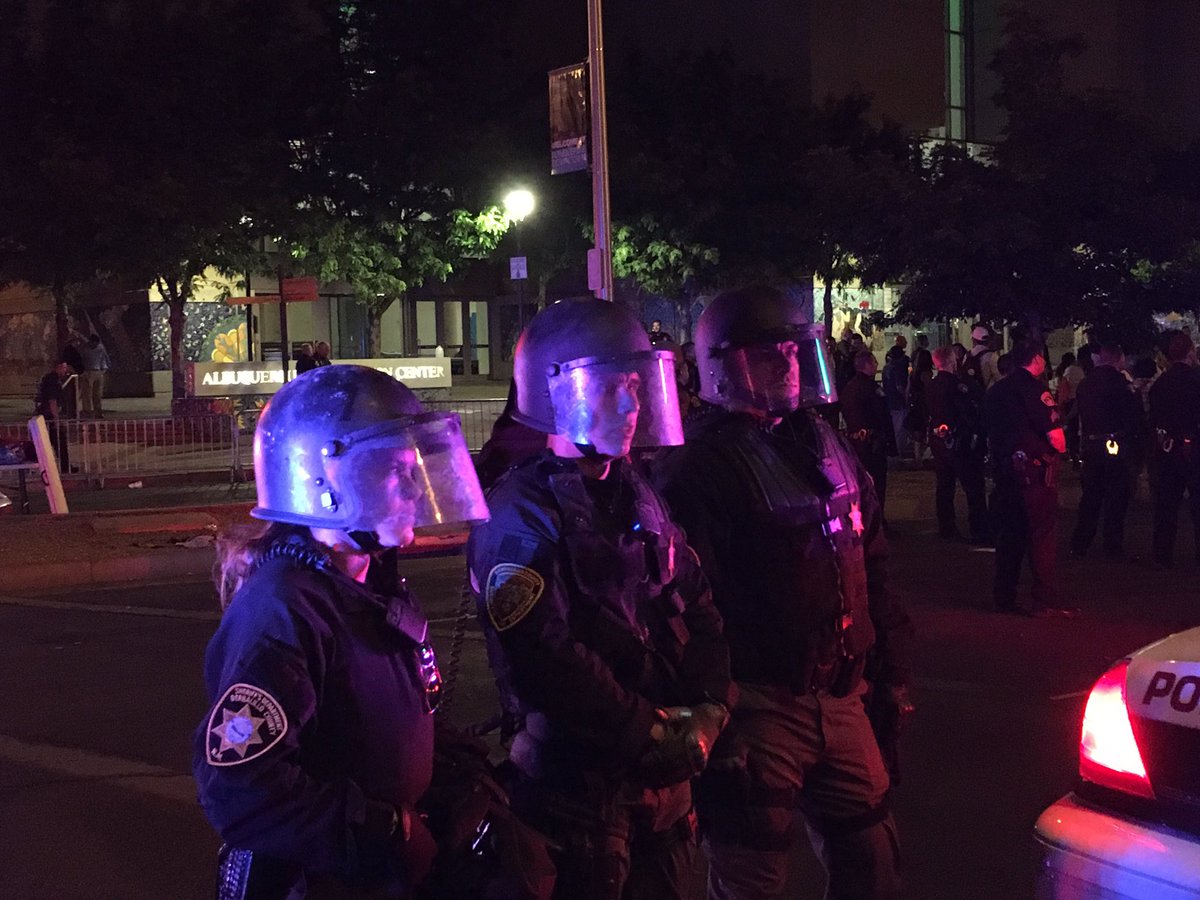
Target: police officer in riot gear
599, 623
1025, 438
956, 442
789, 532
319, 740
1110, 423
1175, 452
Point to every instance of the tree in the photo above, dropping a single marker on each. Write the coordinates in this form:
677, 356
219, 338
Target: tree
1074, 217
115, 172
383, 260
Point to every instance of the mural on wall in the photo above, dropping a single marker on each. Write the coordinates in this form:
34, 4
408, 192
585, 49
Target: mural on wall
27, 340
215, 332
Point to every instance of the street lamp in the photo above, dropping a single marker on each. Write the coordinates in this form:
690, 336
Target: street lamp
518, 205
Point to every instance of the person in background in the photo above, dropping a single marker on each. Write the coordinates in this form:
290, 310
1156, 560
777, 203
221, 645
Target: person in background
318, 742
1110, 425
1025, 438
321, 354
1068, 376
95, 368
305, 361
982, 362
917, 418
52, 403
868, 425
1175, 457
954, 437
895, 389
657, 335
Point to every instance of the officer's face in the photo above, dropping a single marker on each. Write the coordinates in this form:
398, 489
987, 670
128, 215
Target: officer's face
614, 403
773, 375
393, 472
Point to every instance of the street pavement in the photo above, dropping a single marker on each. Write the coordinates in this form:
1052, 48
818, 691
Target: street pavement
103, 691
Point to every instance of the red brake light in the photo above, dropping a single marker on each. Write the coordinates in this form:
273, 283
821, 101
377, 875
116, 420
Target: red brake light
1108, 750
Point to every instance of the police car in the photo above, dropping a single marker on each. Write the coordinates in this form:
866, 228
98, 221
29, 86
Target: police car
1132, 827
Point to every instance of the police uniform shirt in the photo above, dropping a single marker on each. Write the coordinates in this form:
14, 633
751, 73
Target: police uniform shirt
1175, 401
50, 388
1020, 413
863, 406
1107, 405
320, 725
946, 394
565, 576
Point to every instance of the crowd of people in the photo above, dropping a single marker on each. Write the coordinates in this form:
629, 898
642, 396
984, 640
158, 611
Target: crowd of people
1008, 418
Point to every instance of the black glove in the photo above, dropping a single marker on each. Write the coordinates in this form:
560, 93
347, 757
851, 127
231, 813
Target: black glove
688, 738
891, 710
414, 845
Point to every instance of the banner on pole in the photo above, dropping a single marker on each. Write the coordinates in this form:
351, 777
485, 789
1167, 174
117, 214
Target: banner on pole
569, 119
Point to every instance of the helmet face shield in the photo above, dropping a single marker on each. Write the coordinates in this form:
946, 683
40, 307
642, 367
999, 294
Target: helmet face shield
615, 403
413, 473
780, 373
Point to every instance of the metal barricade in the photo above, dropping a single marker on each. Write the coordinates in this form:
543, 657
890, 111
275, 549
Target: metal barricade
478, 417
103, 448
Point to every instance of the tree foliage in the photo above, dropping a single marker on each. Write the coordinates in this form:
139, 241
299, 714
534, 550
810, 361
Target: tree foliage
1074, 217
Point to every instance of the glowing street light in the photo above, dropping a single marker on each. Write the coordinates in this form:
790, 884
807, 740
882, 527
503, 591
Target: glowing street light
518, 204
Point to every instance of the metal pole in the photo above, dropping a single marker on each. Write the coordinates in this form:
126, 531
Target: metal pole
284, 354
521, 284
600, 215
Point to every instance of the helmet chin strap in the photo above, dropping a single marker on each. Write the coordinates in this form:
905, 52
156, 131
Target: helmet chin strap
365, 541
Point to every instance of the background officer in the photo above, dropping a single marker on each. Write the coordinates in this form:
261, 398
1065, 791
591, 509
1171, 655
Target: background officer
954, 438
1110, 420
1025, 437
319, 740
788, 529
1175, 457
868, 423
600, 628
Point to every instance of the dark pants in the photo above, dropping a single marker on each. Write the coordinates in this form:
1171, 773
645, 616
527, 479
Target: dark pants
876, 464
1026, 510
785, 754
1107, 482
619, 842
965, 469
1171, 476
57, 429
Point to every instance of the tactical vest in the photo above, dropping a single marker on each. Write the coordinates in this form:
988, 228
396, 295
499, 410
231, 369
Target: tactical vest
621, 607
804, 622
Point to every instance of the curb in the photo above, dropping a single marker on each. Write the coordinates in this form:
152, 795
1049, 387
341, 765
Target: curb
168, 564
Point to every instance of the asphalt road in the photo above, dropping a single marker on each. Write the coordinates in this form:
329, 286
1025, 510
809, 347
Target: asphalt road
102, 691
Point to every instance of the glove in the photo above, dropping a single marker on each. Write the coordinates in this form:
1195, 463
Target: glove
689, 733
415, 846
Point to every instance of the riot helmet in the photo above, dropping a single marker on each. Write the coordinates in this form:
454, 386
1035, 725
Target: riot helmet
350, 448
756, 349
585, 369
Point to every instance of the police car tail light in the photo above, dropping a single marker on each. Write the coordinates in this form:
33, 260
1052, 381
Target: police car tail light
1108, 751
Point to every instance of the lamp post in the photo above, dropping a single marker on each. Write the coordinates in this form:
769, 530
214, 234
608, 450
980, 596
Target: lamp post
518, 205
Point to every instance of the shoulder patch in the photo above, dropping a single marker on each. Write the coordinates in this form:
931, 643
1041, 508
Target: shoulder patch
245, 723
1048, 400
511, 592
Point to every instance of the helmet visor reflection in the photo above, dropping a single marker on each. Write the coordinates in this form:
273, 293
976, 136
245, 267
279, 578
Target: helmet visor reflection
587, 392
417, 468
763, 373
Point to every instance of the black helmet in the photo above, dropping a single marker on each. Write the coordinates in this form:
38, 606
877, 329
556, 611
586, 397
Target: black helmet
574, 343
325, 449
754, 316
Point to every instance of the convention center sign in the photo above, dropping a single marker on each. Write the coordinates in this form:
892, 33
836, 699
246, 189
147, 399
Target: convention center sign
237, 379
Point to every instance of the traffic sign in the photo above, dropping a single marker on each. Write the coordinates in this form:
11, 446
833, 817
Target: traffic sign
518, 270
